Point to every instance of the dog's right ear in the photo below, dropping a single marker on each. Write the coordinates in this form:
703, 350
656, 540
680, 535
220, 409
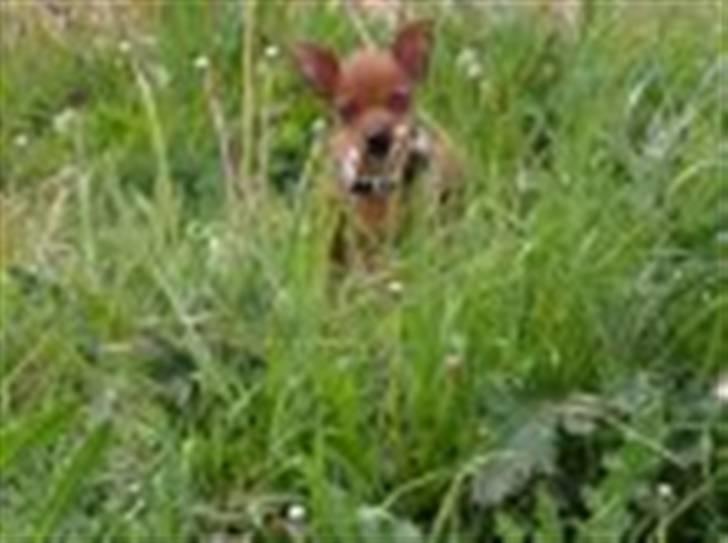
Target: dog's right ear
319, 66
412, 47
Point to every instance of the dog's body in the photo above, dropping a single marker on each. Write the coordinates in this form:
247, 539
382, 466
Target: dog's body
382, 154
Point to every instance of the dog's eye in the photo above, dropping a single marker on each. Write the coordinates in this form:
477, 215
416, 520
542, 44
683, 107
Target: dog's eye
348, 109
399, 100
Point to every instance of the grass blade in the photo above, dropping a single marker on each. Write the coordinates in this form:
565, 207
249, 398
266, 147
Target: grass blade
69, 479
32, 432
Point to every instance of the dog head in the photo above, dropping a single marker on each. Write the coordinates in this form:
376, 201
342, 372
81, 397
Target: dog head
371, 93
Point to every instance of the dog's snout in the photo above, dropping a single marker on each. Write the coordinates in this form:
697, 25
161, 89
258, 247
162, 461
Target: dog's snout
379, 143
362, 187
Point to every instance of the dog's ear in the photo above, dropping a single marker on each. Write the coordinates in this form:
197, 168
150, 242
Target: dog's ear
412, 47
319, 66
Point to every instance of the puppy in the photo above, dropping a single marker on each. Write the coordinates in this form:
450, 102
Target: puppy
381, 152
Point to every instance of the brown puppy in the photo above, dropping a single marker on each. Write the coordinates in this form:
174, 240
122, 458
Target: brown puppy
381, 152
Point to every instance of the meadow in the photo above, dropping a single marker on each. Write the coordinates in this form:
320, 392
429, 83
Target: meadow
549, 367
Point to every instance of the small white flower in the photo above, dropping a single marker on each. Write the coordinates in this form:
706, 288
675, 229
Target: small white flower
271, 52
468, 62
395, 287
296, 513
664, 491
21, 141
474, 71
720, 391
466, 58
64, 120
202, 63
318, 126
124, 47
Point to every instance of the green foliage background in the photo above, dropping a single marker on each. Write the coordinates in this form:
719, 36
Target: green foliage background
175, 366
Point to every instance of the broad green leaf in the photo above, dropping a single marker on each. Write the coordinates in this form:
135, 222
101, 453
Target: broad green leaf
528, 451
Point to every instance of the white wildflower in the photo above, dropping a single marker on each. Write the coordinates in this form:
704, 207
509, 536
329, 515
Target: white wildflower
720, 391
63, 121
202, 63
296, 513
467, 57
395, 287
474, 71
664, 491
271, 52
21, 141
467, 61
318, 126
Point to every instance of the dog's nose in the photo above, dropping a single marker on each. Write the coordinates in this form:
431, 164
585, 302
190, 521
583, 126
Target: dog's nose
362, 187
379, 143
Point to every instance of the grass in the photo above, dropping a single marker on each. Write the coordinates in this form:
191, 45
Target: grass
176, 367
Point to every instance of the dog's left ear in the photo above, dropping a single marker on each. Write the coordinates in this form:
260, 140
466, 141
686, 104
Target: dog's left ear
412, 47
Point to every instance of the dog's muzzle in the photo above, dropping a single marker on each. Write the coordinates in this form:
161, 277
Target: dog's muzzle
371, 186
363, 184
364, 176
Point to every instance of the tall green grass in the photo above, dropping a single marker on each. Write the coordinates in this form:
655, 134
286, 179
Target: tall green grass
176, 366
